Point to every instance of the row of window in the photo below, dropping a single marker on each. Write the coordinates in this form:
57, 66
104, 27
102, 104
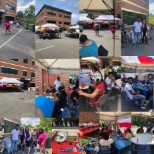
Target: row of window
60, 15
54, 22
14, 71
10, 7
25, 61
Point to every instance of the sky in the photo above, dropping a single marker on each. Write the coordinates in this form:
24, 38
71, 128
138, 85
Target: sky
68, 5
28, 121
151, 6
23, 4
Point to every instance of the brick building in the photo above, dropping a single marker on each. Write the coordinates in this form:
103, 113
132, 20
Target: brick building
43, 79
21, 69
49, 14
130, 10
87, 117
8, 10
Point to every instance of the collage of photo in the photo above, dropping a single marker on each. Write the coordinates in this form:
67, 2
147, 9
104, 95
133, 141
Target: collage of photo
76, 76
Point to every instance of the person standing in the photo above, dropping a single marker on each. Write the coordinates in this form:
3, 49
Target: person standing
8, 26
81, 29
15, 138
28, 136
137, 31
42, 140
35, 134
145, 33
58, 83
22, 140
97, 29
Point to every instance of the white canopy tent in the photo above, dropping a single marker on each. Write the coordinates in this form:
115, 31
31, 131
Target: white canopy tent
114, 116
93, 5
83, 18
106, 17
49, 25
74, 27
59, 66
90, 58
10, 80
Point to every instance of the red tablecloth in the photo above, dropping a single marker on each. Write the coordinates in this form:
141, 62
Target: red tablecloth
86, 130
56, 147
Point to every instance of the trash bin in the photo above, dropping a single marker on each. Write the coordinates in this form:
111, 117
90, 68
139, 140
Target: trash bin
33, 28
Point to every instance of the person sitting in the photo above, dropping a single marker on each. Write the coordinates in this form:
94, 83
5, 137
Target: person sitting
149, 98
50, 91
119, 133
99, 90
145, 82
106, 71
136, 79
89, 47
109, 130
105, 141
75, 96
133, 95
128, 135
123, 80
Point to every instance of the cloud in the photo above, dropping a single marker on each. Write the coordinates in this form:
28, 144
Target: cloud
76, 4
75, 15
151, 8
21, 6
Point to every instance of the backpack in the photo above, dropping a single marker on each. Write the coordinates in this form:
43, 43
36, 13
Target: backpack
48, 143
102, 51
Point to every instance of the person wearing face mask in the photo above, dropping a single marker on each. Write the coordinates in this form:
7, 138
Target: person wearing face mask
15, 138
58, 83
133, 95
137, 31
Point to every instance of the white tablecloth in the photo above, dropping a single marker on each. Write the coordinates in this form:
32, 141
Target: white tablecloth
142, 139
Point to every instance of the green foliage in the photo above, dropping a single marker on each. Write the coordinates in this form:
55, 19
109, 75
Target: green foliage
28, 16
141, 121
151, 19
8, 126
46, 124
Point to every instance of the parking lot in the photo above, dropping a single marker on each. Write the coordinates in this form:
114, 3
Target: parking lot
129, 50
105, 39
17, 104
19, 44
57, 48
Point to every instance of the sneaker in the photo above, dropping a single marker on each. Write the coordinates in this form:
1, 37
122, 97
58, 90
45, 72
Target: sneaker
150, 110
138, 45
143, 108
136, 102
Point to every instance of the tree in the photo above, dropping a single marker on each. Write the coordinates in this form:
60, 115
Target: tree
20, 14
46, 123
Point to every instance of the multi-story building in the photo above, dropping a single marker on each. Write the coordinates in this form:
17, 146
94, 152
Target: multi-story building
20, 69
49, 14
8, 10
130, 10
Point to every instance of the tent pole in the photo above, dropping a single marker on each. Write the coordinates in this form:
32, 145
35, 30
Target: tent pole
114, 24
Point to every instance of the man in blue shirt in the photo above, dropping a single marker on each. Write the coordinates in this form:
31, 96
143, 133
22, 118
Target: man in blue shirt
145, 82
89, 47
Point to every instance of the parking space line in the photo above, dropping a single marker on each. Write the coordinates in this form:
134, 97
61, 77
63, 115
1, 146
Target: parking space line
30, 101
44, 48
10, 39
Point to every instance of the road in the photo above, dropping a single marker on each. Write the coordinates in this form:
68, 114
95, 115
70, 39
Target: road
19, 44
129, 50
105, 39
57, 48
17, 104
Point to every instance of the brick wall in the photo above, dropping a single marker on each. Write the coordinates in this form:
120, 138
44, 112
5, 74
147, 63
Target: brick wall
87, 117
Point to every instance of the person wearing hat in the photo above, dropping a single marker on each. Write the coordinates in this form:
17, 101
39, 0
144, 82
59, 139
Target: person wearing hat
99, 90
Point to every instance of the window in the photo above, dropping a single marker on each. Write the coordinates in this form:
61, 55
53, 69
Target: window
33, 63
59, 22
51, 13
51, 21
60, 15
144, 1
66, 16
25, 61
32, 74
14, 59
9, 7
66, 23
9, 71
24, 73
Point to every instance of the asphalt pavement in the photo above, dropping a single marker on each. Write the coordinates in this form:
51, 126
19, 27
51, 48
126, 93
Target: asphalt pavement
129, 50
19, 44
105, 39
57, 48
17, 104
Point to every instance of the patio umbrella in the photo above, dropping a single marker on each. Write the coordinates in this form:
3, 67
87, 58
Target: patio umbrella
125, 123
50, 25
